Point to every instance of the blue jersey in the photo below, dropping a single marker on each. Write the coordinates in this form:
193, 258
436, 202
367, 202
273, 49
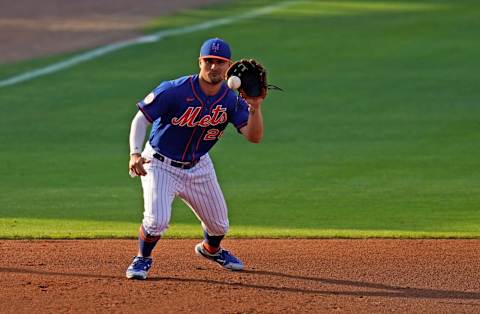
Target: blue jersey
186, 122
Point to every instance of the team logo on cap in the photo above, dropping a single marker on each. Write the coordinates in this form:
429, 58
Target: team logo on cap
148, 100
215, 47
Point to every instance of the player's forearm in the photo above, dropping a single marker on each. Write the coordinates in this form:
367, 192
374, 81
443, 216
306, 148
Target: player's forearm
255, 125
138, 131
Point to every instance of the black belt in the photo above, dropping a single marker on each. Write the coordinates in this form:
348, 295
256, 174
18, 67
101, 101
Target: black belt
177, 164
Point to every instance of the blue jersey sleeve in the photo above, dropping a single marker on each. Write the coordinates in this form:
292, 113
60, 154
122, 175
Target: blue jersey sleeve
157, 103
239, 115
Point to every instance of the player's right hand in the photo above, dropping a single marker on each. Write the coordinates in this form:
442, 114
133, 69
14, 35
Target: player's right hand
136, 164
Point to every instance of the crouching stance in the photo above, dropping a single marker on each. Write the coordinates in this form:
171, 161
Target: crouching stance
189, 115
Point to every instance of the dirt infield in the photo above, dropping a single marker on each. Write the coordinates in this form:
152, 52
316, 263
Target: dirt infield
30, 28
281, 276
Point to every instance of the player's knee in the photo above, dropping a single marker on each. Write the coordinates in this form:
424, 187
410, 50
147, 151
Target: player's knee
218, 228
155, 228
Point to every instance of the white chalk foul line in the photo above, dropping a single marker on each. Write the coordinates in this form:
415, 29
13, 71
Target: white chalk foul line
101, 51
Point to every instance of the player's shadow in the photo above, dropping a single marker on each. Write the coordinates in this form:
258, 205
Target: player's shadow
384, 290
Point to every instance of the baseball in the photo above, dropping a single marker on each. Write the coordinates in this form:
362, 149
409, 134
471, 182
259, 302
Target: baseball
234, 82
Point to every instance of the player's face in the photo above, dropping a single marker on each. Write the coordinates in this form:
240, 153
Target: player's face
213, 70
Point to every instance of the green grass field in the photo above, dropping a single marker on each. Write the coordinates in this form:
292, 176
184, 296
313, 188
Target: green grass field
376, 134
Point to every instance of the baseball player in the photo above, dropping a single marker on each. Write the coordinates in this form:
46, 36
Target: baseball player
189, 115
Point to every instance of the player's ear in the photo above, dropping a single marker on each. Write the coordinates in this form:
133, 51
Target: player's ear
229, 64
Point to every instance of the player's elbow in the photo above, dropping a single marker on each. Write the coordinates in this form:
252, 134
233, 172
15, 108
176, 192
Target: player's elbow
255, 140
253, 136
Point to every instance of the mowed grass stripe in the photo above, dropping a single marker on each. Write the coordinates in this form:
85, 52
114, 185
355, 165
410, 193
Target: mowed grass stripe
110, 48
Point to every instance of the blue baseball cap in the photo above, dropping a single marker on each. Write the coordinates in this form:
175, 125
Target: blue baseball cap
215, 48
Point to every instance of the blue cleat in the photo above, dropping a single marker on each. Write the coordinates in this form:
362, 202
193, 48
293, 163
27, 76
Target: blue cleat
139, 268
223, 258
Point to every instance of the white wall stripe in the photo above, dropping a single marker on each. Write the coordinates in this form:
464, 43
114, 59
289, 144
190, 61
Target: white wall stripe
101, 51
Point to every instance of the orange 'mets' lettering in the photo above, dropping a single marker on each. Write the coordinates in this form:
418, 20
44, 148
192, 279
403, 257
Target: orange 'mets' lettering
219, 116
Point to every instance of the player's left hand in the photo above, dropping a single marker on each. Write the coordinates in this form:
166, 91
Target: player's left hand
254, 102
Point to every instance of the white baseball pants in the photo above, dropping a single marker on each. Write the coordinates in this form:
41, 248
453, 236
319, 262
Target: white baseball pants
197, 187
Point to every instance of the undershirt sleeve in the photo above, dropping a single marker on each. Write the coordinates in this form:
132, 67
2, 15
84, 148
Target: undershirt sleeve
138, 131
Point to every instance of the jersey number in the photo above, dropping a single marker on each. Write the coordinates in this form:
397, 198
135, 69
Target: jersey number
213, 134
